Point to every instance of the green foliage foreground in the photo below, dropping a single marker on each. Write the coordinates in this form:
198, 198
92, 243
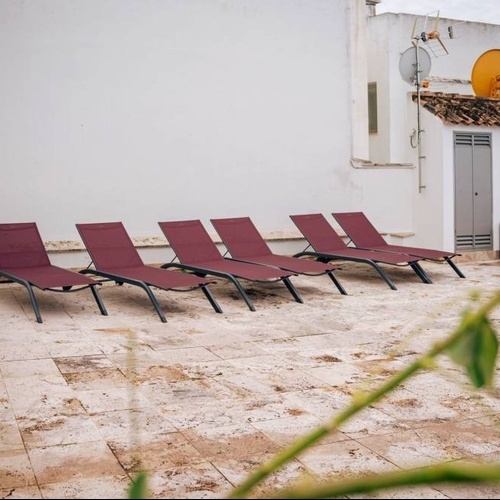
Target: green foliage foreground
473, 345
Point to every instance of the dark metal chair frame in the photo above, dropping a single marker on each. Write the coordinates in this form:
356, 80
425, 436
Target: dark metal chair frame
25, 261
196, 252
244, 242
363, 234
328, 245
115, 258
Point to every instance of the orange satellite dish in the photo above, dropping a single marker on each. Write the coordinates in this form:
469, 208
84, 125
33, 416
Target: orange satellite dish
486, 75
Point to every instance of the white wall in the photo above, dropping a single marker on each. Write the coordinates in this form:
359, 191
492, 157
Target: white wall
147, 110
432, 205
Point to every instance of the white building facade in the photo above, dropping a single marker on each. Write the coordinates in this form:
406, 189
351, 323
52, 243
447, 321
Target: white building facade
432, 193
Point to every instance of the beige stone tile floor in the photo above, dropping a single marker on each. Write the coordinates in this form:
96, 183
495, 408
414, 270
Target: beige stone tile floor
199, 401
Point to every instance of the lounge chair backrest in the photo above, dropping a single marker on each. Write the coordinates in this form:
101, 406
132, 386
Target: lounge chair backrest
318, 232
190, 241
109, 245
359, 229
21, 246
241, 237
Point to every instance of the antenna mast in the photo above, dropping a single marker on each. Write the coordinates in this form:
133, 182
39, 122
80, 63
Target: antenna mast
418, 85
433, 42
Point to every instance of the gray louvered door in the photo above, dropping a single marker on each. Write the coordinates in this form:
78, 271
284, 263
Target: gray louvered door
473, 192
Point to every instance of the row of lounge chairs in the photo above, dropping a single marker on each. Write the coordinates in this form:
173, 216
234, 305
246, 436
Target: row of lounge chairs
114, 257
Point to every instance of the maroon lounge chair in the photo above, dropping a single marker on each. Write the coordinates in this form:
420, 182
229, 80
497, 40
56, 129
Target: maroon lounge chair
115, 258
196, 252
24, 260
363, 234
244, 242
327, 245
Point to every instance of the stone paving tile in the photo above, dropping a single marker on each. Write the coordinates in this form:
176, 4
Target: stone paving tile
31, 348
140, 424
121, 398
244, 441
22, 492
345, 459
162, 451
43, 397
58, 430
413, 410
86, 400
284, 431
16, 469
448, 391
10, 437
412, 492
237, 470
59, 349
86, 488
201, 414
58, 464
83, 363
199, 480
29, 368
96, 379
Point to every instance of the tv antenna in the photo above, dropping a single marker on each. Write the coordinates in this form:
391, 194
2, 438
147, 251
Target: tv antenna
415, 65
426, 30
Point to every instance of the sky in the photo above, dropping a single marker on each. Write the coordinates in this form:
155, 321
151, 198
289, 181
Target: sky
483, 11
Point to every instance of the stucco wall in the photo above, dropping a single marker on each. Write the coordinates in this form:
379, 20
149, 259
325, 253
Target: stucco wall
148, 110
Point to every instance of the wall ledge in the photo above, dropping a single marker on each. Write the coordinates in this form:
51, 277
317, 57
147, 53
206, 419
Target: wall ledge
367, 164
402, 235
64, 246
68, 246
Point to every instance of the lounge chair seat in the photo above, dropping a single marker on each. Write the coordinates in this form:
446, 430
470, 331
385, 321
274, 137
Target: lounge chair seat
327, 245
115, 258
196, 252
363, 234
245, 243
24, 260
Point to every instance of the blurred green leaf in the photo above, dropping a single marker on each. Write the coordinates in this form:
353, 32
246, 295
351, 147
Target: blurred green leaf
138, 488
476, 350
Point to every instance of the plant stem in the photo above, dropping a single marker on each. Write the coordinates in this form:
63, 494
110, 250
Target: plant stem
440, 473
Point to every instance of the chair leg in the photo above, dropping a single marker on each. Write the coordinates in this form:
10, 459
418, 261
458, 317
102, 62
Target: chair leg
153, 300
31, 294
245, 296
34, 303
454, 267
211, 299
340, 288
381, 273
420, 272
293, 290
98, 299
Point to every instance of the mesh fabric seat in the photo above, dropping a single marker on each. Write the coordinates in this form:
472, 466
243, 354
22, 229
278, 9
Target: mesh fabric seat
197, 253
115, 258
24, 260
244, 242
327, 245
363, 234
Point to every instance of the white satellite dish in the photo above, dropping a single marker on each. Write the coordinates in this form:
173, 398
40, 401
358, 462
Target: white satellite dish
412, 70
